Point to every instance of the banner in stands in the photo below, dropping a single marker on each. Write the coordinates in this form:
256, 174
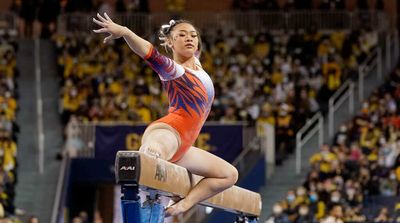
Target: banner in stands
225, 141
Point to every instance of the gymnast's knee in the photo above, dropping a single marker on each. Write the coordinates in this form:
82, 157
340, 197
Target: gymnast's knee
233, 175
153, 149
156, 149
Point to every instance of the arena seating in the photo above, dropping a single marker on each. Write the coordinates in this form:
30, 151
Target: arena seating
8, 126
357, 178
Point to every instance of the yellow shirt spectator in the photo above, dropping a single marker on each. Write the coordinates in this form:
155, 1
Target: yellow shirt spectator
71, 103
115, 87
261, 50
10, 151
321, 207
332, 73
324, 160
369, 138
337, 39
144, 113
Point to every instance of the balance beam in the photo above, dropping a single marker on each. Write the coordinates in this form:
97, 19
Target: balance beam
137, 168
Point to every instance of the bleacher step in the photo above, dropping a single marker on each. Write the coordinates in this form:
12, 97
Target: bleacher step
36, 192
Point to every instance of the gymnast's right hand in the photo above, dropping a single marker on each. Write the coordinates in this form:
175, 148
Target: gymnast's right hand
108, 26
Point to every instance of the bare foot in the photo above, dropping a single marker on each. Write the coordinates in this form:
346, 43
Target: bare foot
178, 208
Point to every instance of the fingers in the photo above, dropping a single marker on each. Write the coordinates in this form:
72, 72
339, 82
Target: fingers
99, 23
102, 30
101, 17
169, 212
172, 211
108, 38
107, 17
104, 22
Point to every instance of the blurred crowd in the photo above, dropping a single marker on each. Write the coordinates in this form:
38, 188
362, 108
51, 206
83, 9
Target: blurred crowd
277, 78
39, 17
8, 127
277, 5
363, 162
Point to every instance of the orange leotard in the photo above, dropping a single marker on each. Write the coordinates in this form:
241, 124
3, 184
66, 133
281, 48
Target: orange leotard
190, 96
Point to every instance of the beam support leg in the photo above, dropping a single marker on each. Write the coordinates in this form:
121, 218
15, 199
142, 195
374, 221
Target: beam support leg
133, 211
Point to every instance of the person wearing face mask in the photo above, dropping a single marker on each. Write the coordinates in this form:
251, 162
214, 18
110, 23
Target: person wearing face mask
190, 93
278, 215
71, 102
335, 199
388, 185
304, 215
290, 197
291, 204
387, 154
341, 137
316, 206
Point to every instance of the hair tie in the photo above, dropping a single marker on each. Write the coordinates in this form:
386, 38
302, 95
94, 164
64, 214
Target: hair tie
171, 23
168, 27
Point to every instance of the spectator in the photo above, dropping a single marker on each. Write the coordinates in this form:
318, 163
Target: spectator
8, 127
284, 133
341, 138
383, 216
325, 162
317, 207
84, 216
33, 219
335, 215
389, 185
346, 177
304, 215
278, 216
396, 215
73, 143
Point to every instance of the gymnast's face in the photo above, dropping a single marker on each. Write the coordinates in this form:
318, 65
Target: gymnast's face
185, 40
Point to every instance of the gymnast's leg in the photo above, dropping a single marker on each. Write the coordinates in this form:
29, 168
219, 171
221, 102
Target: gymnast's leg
219, 175
161, 141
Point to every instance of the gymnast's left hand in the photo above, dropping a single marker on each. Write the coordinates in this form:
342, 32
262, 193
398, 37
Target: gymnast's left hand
108, 26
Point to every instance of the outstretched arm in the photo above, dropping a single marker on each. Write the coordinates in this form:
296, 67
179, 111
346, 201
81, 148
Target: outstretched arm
139, 45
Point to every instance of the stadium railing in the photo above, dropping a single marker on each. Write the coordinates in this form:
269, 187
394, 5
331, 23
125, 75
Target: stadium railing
379, 63
58, 214
391, 44
372, 65
313, 126
145, 24
345, 92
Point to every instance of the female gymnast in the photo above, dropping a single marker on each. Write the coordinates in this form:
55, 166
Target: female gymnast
190, 94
